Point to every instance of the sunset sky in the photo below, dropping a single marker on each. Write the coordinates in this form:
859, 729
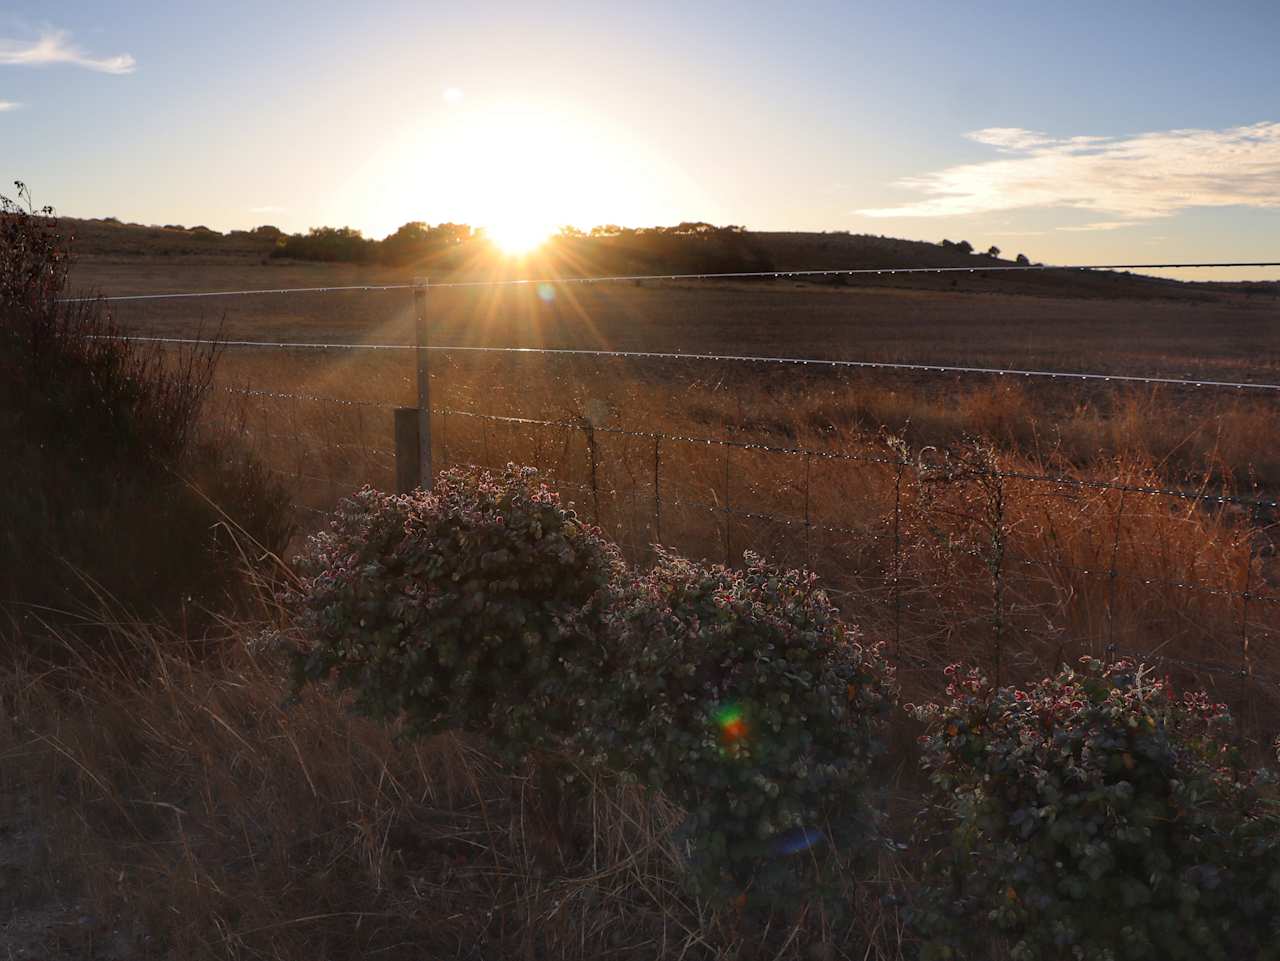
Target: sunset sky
1074, 132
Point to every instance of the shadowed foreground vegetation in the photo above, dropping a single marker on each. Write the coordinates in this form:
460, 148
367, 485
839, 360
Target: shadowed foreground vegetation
114, 482
659, 805
543, 745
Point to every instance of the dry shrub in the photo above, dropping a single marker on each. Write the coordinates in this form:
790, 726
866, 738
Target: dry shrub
1181, 564
111, 474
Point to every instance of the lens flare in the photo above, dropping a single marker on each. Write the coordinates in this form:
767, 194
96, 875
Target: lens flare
733, 727
800, 839
546, 292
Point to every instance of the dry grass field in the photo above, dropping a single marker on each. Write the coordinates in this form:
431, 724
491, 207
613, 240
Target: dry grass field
926, 555
184, 811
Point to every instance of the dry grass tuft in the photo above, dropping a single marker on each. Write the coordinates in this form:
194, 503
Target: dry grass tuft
209, 819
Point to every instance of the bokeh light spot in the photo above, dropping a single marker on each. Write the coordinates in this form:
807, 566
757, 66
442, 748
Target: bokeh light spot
732, 725
800, 839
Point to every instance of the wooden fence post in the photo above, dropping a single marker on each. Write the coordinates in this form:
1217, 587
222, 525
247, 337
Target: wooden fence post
425, 475
408, 464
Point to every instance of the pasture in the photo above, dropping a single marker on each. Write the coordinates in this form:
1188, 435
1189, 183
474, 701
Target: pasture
849, 471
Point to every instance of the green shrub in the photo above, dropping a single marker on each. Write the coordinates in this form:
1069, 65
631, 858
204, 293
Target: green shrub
486, 606
1095, 815
744, 697
472, 606
101, 440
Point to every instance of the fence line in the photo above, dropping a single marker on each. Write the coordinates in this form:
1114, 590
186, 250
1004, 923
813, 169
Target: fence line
1244, 671
904, 463
721, 358
805, 522
1006, 611
631, 278
1061, 480
1057, 480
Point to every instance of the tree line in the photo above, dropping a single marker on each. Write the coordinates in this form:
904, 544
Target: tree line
689, 246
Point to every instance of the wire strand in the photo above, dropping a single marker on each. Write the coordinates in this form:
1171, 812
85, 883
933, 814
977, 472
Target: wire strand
722, 358
628, 278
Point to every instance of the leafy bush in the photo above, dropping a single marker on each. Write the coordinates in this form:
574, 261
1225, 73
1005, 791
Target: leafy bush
99, 438
1095, 815
485, 605
743, 696
471, 606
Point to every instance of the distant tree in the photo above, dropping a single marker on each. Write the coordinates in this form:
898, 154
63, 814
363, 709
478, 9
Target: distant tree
964, 247
328, 243
1022, 261
417, 240
993, 251
451, 234
947, 243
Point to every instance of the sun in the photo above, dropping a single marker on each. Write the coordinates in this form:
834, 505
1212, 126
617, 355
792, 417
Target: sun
519, 236
520, 170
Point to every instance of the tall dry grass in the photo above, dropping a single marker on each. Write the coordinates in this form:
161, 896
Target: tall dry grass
197, 816
917, 552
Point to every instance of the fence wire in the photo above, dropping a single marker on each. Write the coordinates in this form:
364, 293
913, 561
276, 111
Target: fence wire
651, 355
633, 278
668, 496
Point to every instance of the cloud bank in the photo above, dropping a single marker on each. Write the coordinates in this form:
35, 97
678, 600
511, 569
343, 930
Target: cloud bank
8, 105
1135, 178
55, 47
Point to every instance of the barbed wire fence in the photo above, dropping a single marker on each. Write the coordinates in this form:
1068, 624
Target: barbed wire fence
668, 505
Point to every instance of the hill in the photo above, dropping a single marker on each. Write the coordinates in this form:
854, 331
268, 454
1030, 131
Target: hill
695, 248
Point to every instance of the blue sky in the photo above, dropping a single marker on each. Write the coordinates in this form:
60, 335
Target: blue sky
1083, 131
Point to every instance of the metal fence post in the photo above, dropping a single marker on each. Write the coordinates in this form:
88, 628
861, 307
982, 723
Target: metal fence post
728, 513
657, 494
589, 432
808, 526
1112, 575
896, 581
444, 437
424, 382
1245, 597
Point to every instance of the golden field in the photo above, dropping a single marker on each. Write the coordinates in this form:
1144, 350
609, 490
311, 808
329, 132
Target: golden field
938, 560
188, 811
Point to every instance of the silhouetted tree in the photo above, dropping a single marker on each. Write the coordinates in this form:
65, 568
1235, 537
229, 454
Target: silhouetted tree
327, 243
993, 251
1023, 261
964, 247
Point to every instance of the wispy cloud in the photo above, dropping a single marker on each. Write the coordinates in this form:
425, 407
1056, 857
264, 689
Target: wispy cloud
54, 46
1140, 177
1103, 225
9, 105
